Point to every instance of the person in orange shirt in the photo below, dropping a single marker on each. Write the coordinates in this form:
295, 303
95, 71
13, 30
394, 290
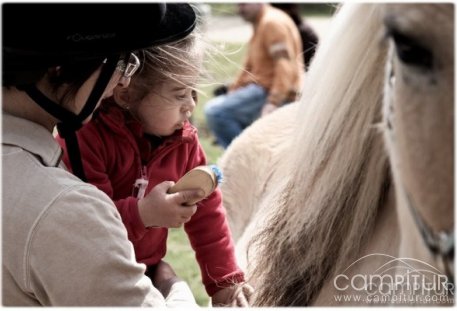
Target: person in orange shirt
271, 76
309, 37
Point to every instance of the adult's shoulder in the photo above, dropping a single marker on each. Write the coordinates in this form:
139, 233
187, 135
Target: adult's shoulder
64, 198
274, 21
275, 16
83, 201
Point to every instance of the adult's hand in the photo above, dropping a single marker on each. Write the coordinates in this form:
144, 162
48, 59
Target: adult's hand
220, 90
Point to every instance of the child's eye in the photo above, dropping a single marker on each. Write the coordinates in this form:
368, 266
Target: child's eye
194, 96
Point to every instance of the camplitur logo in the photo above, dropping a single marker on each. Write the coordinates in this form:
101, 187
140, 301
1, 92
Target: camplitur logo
384, 279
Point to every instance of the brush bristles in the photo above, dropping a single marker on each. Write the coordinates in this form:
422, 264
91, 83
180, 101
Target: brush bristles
218, 173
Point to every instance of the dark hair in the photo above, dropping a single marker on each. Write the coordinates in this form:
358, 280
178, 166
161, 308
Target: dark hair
308, 36
74, 74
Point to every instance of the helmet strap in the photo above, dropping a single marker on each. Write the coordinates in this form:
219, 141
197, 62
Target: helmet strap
70, 122
100, 86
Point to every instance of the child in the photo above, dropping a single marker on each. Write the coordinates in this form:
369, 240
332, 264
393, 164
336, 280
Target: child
141, 139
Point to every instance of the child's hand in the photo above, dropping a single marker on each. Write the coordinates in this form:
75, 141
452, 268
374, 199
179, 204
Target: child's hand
235, 296
160, 209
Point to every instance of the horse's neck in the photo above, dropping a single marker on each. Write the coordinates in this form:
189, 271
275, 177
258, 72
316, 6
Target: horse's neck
384, 241
255, 173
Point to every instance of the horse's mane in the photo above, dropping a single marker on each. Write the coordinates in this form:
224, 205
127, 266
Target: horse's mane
338, 172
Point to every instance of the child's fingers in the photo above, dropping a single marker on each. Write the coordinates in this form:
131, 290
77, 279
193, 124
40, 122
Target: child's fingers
181, 222
165, 185
187, 211
185, 196
186, 219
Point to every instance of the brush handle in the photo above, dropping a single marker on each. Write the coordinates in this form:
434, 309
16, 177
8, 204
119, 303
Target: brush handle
200, 177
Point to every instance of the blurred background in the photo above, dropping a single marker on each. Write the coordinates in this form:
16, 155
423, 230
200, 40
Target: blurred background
227, 36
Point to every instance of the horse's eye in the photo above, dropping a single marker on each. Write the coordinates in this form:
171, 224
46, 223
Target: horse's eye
410, 52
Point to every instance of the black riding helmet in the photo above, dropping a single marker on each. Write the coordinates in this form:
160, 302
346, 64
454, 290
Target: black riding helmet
60, 34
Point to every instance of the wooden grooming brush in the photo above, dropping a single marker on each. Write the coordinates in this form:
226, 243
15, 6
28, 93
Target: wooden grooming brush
202, 177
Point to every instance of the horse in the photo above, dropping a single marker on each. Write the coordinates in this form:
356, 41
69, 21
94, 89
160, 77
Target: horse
351, 189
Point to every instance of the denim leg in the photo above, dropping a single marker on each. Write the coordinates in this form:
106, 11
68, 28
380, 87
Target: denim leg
227, 115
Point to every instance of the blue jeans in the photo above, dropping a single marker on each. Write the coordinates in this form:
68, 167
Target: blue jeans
228, 115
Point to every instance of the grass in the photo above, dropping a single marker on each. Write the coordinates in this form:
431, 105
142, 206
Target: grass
222, 67
306, 9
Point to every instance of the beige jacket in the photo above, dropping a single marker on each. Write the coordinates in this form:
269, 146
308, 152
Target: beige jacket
64, 243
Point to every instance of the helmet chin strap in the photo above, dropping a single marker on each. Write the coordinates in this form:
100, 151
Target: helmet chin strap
71, 122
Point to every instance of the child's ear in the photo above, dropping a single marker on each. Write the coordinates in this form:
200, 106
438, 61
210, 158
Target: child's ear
122, 96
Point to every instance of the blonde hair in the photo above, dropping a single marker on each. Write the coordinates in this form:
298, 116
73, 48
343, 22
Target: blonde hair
180, 61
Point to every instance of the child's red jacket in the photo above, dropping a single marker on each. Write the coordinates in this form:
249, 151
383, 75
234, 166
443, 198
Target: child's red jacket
114, 150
